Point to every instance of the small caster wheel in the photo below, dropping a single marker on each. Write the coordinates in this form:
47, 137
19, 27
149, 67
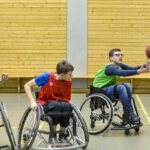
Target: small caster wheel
137, 129
92, 124
127, 132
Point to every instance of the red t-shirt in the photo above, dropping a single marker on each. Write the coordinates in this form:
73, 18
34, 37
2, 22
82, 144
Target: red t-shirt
55, 90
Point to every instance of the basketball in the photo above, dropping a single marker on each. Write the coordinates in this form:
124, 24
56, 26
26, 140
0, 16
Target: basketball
148, 51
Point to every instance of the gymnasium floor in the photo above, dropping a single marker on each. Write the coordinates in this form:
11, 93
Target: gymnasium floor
17, 103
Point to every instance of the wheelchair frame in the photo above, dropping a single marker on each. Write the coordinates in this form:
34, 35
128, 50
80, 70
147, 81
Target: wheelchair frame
103, 111
7, 126
76, 120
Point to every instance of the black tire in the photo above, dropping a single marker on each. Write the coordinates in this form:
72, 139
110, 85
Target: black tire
79, 116
137, 129
118, 114
134, 107
7, 126
31, 132
104, 103
127, 132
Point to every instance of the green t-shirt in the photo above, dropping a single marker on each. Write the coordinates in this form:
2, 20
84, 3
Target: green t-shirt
103, 80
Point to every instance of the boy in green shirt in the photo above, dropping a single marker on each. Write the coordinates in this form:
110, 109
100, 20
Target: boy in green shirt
107, 77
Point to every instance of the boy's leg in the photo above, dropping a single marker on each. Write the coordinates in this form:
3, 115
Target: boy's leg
124, 97
122, 94
64, 121
53, 108
129, 90
67, 108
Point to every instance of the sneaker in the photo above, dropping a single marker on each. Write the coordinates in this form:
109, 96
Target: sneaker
92, 125
63, 137
54, 140
132, 118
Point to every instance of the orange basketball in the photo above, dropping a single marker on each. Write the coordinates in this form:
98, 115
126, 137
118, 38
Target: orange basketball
148, 51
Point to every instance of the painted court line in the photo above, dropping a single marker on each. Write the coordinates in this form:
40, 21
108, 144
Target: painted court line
143, 108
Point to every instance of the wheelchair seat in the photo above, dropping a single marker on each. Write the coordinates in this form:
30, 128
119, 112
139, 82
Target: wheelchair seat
41, 135
102, 111
94, 90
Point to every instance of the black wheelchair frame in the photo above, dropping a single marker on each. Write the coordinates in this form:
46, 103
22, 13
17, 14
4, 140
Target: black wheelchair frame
48, 143
104, 112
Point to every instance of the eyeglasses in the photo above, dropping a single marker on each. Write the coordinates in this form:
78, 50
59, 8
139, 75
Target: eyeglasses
118, 55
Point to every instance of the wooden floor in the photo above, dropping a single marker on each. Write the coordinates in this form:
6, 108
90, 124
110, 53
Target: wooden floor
112, 140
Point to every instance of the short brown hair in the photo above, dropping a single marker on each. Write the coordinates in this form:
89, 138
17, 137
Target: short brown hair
112, 51
64, 67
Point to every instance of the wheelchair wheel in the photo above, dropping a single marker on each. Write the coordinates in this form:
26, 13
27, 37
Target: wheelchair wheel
7, 125
97, 110
28, 128
74, 141
82, 130
118, 113
134, 107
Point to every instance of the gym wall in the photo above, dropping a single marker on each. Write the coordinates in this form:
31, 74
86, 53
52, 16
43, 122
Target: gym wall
35, 35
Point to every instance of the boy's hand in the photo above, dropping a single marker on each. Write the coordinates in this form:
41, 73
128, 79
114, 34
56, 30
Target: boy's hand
146, 64
34, 105
4, 77
144, 70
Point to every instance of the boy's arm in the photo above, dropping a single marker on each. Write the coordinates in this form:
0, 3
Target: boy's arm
28, 91
4, 77
113, 70
125, 67
38, 81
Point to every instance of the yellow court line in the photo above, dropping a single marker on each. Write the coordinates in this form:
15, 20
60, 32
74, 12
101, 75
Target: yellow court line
143, 108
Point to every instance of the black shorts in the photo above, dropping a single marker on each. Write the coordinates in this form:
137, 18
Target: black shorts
57, 107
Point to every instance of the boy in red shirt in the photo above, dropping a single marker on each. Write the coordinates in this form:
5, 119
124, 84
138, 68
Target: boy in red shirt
54, 94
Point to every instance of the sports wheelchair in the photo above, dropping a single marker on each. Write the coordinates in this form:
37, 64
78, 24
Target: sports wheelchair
6, 124
33, 133
102, 111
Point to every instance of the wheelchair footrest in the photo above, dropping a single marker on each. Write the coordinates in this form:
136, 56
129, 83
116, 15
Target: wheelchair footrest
125, 126
58, 144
